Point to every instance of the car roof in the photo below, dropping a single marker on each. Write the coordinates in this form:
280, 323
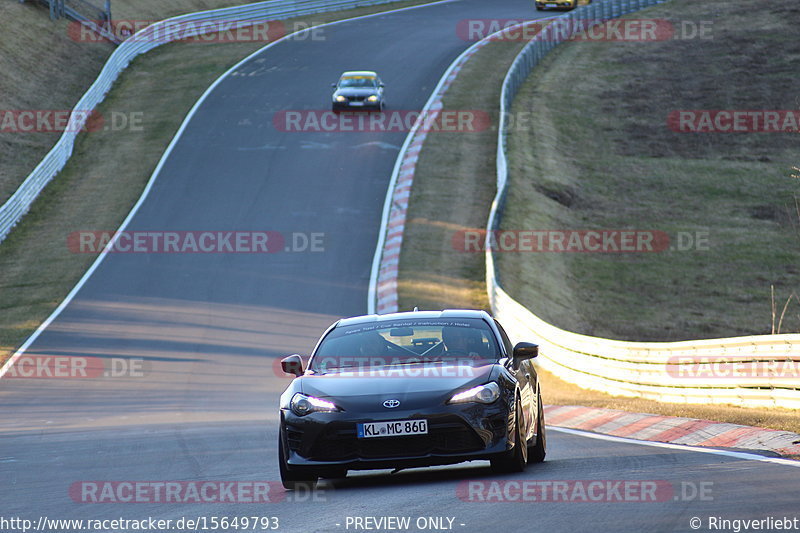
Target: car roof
365, 73
430, 315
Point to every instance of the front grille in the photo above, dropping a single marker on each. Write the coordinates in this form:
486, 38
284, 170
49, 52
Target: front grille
356, 98
340, 443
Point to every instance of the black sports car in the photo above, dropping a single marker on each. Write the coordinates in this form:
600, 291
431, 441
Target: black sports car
358, 90
410, 389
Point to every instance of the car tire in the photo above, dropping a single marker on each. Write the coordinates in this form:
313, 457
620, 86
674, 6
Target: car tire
294, 479
537, 452
515, 459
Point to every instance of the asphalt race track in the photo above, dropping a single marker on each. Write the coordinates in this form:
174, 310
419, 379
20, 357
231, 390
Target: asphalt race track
209, 327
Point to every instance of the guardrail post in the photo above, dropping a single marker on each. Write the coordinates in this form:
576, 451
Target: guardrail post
569, 22
558, 28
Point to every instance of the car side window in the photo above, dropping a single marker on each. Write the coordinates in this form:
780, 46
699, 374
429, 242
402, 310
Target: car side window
506, 341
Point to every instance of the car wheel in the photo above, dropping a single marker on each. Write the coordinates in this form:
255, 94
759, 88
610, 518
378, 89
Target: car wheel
294, 479
537, 452
515, 459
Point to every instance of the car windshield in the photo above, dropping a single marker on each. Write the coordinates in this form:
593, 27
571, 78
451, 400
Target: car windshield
461, 341
357, 81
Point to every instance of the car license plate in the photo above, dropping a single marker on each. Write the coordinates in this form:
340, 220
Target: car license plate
393, 428
551, 5
356, 104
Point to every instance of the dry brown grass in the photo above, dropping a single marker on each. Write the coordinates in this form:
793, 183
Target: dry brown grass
45, 69
159, 9
42, 69
599, 155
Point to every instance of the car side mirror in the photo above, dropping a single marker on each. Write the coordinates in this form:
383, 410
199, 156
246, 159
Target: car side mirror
381, 85
525, 350
333, 85
293, 365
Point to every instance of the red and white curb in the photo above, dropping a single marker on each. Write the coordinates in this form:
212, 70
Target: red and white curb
383, 293
671, 429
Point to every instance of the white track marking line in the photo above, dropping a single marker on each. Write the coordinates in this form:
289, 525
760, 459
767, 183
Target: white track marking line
714, 451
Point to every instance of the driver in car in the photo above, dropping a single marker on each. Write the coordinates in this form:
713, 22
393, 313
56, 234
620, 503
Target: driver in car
461, 341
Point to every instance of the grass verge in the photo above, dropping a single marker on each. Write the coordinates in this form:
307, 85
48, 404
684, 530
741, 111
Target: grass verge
600, 155
107, 173
453, 189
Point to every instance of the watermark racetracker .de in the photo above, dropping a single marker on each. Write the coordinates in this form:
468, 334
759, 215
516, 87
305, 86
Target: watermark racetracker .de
727, 368
584, 491
194, 242
356, 121
585, 30
196, 31
73, 121
189, 492
578, 241
734, 121
37, 366
376, 367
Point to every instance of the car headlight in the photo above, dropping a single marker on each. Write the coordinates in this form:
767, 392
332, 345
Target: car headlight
481, 394
341, 98
303, 404
373, 98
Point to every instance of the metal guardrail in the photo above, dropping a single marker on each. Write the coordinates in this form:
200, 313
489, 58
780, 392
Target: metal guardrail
12, 211
757, 371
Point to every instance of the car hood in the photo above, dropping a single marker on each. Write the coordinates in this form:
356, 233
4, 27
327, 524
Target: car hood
415, 386
355, 91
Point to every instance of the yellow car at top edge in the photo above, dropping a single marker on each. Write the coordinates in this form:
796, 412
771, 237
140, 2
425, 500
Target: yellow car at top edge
559, 4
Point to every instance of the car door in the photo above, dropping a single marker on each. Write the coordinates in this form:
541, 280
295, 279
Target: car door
527, 380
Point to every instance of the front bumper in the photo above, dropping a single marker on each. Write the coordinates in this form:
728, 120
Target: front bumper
456, 433
356, 106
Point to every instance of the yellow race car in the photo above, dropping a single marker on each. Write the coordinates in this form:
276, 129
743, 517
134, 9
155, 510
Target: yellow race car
559, 4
